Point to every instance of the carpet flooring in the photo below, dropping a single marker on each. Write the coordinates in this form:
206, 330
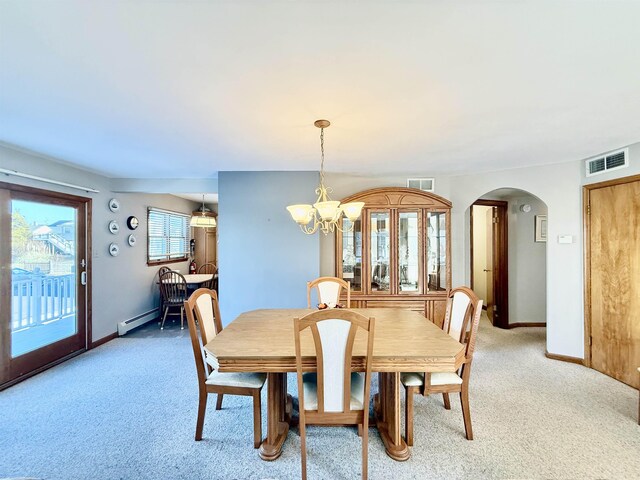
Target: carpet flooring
127, 410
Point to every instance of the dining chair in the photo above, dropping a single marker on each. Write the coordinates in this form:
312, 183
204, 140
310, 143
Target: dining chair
203, 306
333, 394
212, 269
329, 290
162, 270
173, 290
461, 322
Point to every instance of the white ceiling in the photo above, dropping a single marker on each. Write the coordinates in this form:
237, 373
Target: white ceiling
140, 88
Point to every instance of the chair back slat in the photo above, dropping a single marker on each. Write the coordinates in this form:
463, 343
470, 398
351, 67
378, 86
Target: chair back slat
473, 329
333, 333
196, 342
162, 270
329, 292
197, 308
173, 288
212, 269
461, 310
208, 313
329, 289
333, 342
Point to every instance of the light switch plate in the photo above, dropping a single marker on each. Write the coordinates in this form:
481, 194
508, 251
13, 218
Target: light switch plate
565, 238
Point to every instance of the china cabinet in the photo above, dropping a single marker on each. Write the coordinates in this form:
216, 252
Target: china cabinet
397, 254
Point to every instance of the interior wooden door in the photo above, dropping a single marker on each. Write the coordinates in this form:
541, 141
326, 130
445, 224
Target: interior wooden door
497, 261
614, 279
500, 266
489, 267
210, 239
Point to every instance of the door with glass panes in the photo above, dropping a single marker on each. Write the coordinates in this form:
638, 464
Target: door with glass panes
44, 264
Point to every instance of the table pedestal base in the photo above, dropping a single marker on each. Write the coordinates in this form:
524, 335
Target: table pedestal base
387, 408
279, 412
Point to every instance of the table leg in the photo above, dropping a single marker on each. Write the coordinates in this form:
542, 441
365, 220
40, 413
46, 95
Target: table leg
279, 409
388, 412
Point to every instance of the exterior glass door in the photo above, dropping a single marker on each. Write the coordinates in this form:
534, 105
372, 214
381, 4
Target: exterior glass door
43, 282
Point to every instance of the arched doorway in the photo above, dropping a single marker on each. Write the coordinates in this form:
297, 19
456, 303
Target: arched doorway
508, 256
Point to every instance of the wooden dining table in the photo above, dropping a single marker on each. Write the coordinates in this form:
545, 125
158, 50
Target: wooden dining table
405, 341
197, 278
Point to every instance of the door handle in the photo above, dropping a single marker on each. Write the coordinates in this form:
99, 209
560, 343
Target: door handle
83, 278
485, 270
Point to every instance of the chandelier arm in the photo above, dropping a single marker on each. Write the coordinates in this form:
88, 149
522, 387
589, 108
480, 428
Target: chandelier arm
345, 230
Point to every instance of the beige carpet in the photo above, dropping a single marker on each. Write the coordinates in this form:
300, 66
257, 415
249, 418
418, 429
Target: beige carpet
127, 410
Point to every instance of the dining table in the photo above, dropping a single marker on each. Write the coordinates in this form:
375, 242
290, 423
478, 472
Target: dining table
404, 341
197, 278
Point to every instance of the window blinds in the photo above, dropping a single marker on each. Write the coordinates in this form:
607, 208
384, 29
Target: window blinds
168, 235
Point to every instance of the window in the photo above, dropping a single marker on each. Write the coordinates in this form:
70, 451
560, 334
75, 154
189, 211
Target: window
167, 236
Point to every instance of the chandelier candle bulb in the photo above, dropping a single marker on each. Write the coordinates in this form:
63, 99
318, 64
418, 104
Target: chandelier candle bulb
325, 214
352, 210
301, 214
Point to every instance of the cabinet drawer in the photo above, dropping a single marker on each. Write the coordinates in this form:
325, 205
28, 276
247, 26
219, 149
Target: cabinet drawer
417, 305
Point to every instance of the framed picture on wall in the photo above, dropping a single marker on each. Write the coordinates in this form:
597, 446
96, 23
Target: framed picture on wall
541, 228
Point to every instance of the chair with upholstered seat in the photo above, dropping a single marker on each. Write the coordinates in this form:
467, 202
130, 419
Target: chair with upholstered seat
203, 307
173, 289
329, 290
461, 322
333, 395
210, 268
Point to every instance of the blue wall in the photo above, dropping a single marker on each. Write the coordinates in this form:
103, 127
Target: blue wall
265, 260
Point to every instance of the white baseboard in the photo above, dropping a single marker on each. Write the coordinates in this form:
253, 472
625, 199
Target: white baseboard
127, 325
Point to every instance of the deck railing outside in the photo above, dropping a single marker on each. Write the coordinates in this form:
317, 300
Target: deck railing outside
39, 298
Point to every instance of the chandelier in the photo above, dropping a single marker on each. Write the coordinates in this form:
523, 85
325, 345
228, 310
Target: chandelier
203, 218
325, 214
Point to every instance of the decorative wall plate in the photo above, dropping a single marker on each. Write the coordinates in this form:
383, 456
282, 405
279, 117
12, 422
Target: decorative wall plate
114, 227
114, 250
131, 240
114, 205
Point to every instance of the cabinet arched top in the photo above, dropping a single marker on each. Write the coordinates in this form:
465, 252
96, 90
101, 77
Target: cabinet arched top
398, 197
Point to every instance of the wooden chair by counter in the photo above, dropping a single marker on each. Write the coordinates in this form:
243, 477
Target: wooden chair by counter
212, 269
329, 289
203, 306
334, 395
173, 289
461, 322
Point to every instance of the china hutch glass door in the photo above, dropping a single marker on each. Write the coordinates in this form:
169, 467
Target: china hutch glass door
352, 254
409, 268
380, 249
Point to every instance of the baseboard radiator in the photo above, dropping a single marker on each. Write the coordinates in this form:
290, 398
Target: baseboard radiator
124, 327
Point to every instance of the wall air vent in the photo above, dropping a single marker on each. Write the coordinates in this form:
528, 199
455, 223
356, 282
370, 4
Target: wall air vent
607, 162
424, 184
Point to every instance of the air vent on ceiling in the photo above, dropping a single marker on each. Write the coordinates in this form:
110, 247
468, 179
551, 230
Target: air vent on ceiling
607, 162
424, 184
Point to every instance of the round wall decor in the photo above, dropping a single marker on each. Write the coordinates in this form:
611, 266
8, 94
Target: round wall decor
114, 205
131, 240
114, 250
132, 222
114, 227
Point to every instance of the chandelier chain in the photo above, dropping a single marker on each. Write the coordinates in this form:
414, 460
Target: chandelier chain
322, 156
